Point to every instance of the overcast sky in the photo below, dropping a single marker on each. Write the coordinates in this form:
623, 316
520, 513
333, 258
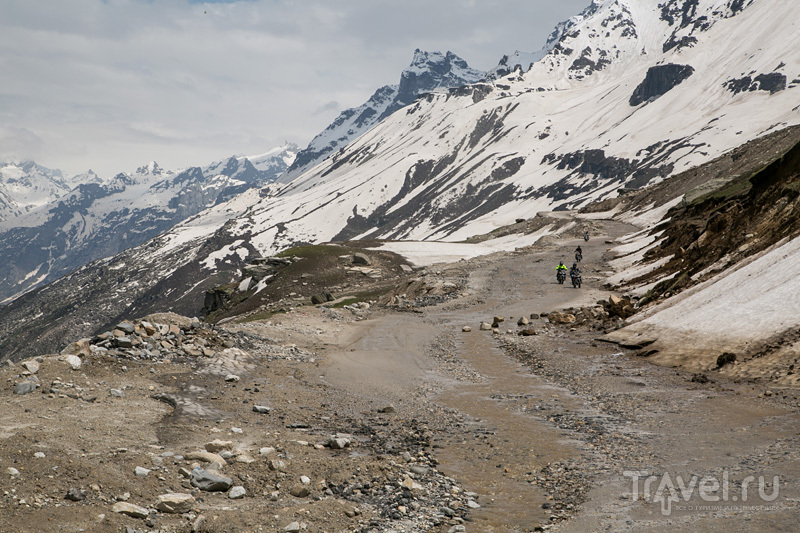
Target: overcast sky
112, 84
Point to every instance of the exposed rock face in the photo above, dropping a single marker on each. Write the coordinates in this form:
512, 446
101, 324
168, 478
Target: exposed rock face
773, 82
658, 81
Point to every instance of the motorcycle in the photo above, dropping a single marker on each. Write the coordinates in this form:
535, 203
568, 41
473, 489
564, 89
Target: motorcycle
586, 236
578, 257
561, 275
576, 281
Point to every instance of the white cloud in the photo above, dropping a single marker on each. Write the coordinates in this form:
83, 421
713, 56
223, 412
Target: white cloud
111, 84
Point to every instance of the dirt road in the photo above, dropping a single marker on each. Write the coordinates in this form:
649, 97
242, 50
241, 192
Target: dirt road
561, 430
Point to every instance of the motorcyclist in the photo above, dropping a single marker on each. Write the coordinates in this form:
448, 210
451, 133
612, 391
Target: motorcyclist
578, 254
561, 268
574, 271
586, 235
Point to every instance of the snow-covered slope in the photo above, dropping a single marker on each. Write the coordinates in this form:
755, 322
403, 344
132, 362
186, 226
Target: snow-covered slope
24, 186
615, 104
428, 71
99, 220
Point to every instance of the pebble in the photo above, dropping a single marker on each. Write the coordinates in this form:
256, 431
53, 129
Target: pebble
140, 471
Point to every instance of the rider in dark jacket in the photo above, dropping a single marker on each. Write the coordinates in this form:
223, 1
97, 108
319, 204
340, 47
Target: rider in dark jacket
574, 271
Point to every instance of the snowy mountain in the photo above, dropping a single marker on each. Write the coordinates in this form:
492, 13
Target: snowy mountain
631, 94
96, 220
24, 186
428, 71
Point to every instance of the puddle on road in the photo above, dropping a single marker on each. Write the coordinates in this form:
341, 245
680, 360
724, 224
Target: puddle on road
503, 447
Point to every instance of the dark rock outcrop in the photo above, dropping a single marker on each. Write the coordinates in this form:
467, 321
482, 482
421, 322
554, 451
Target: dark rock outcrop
659, 80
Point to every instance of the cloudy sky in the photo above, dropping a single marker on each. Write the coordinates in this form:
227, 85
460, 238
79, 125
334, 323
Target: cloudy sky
112, 84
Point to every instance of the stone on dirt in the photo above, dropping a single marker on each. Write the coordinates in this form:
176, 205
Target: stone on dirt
294, 527
75, 495
216, 445
73, 361
557, 317
130, 509
337, 443
210, 482
206, 457
466, 329
485, 326
175, 503
237, 493
300, 491
31, 366
25, 387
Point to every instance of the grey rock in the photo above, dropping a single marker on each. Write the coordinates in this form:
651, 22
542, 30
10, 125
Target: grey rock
31, 366
277, 465
141, 471
25, 387
337, 443
116, 393
294, 527
237, 492
126, 326
75, 495
210, 482
263, 409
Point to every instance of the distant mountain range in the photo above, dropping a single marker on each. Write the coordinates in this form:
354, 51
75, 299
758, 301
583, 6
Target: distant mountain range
96, 219
24, 186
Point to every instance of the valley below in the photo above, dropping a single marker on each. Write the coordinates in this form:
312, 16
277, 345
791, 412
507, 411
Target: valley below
400, 418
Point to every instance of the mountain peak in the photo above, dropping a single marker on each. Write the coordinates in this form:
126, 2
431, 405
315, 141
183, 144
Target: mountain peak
151, 169
427, 72
432, 70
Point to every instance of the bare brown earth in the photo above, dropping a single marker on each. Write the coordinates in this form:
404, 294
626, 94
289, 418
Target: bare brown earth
479, 431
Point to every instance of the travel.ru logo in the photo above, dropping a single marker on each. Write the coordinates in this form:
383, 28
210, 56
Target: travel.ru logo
666, 490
